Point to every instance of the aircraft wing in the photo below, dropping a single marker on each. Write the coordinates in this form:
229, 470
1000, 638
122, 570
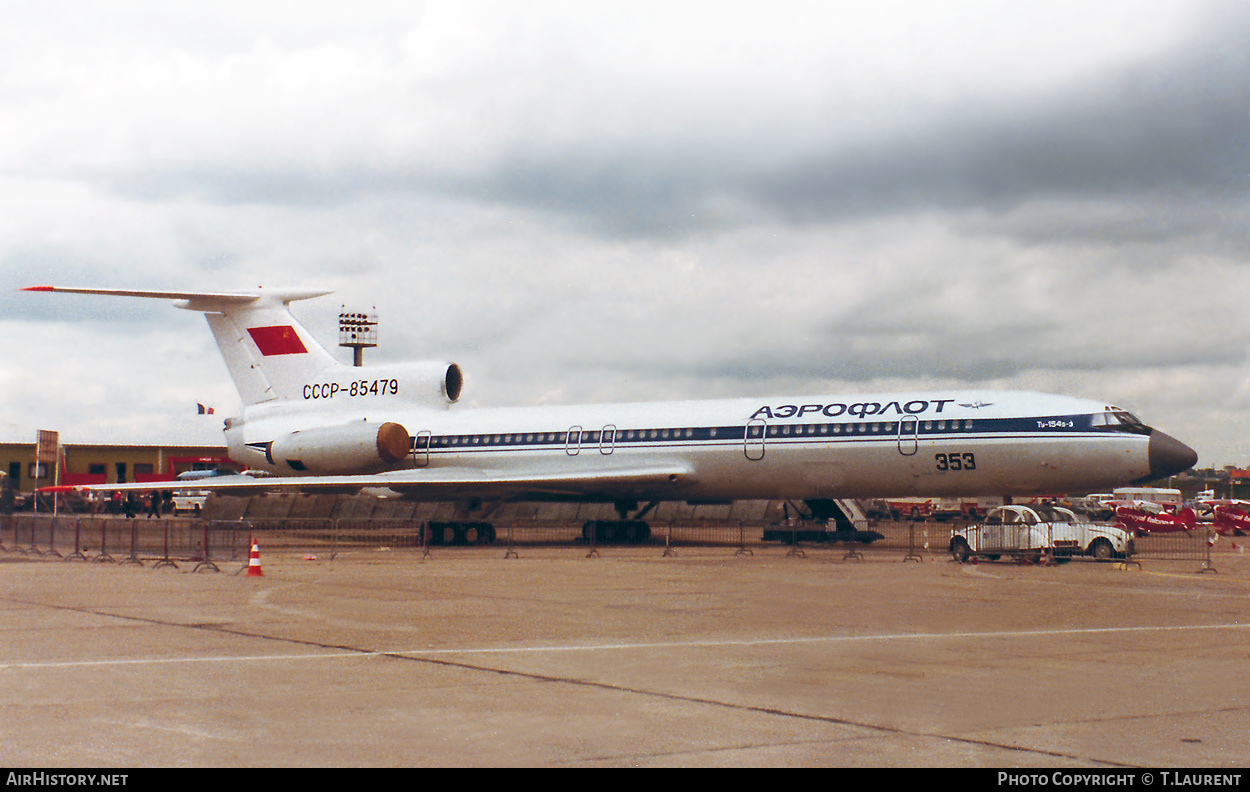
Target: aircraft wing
442, 483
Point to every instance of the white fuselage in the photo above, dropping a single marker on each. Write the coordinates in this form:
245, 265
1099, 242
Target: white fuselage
315, 423
873, 445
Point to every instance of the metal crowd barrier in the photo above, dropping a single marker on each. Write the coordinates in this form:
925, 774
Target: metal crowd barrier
164, 541
170, 541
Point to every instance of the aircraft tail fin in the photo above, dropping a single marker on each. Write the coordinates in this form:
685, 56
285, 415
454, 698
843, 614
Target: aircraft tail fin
269, 354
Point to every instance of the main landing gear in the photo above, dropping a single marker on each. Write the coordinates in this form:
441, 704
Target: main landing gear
461, 533
616, 531
623, 531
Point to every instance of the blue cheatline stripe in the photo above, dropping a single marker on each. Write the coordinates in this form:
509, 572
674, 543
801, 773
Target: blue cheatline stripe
983, 428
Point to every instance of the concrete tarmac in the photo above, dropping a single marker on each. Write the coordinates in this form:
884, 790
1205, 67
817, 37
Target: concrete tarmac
627, 659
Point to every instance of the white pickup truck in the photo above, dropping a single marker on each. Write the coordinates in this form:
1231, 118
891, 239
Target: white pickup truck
1028, 532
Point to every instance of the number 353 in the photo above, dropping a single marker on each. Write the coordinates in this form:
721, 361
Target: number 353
964, 461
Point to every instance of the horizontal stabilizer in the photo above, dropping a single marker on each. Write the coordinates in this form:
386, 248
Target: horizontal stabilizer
195, 301
270, 356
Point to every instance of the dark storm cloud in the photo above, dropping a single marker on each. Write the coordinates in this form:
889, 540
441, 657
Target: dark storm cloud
848, 352
1162, 131
954, 326
667, 162
1171, 127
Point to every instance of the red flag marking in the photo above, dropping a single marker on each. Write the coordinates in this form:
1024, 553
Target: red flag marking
277, 340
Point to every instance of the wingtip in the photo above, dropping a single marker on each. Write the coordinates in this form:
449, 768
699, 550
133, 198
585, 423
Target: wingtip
38, 288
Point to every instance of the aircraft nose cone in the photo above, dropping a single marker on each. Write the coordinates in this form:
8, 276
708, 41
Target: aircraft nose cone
1168, 455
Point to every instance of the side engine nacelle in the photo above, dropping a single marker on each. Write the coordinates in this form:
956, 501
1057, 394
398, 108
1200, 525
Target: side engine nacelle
358, 447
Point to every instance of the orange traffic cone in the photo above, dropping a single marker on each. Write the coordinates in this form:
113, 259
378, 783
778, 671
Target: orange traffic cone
253, 562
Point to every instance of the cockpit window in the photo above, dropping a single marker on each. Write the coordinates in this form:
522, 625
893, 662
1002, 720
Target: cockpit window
1118, 421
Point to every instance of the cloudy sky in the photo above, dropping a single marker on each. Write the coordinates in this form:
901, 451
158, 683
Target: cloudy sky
603, 201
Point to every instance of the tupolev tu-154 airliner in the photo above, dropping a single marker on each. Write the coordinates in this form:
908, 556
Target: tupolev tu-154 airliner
315, 424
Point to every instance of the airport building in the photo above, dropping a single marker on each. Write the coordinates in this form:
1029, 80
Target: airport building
85, 463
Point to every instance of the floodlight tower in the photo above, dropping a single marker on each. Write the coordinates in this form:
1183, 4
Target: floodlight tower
358, 330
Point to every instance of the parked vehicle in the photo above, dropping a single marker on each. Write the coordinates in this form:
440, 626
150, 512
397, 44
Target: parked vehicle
878, 509
946, 509
1099, 506
914, 509
1029, 532
977, 508
1165, 497
189, 501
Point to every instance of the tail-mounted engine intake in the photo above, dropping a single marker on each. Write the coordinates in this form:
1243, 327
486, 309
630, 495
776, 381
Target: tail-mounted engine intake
359, 447
433, 384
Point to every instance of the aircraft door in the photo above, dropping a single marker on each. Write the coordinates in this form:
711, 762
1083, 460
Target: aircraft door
573, 445
421, 448
908, 435
753, 439
607, 439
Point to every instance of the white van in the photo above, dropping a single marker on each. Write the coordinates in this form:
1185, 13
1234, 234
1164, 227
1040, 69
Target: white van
1161, 495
